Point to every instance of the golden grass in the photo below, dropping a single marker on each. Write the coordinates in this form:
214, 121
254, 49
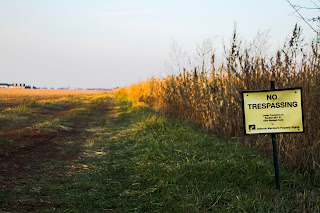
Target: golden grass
212, 98
14, 97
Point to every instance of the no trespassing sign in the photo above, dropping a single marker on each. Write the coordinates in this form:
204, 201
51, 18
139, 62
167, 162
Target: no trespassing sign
273, 111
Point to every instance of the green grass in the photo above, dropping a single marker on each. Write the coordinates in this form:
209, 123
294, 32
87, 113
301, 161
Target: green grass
137, 160
183, 169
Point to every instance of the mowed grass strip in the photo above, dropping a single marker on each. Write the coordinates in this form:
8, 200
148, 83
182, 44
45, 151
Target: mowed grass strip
179, 168
136, 160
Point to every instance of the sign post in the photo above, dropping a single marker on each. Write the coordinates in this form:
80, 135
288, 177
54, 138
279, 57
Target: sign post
275, 150
272, 112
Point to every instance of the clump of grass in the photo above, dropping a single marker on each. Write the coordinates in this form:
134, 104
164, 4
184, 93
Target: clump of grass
5, 142
48, 125
150, 123
31, 103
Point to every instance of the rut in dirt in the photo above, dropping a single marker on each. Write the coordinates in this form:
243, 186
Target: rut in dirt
17, 159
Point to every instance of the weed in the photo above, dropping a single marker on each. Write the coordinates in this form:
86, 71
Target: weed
211, 97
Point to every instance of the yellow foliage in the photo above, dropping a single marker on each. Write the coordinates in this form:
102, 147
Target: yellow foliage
213, 100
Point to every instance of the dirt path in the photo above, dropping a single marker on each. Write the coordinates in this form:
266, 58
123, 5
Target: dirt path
23, 151
23, 148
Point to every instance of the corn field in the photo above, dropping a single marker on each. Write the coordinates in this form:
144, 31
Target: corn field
212, 97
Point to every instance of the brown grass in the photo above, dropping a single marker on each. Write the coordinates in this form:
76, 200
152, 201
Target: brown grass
212, 98
10, 98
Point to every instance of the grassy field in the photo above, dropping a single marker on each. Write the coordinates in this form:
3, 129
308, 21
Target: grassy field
11, 98
104, 153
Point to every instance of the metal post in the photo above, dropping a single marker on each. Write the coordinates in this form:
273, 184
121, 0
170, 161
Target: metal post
275, 150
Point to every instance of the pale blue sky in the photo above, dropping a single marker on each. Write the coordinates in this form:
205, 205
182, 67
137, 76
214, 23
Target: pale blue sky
105, 43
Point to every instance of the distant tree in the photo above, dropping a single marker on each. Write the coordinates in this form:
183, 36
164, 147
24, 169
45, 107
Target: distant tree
313, 17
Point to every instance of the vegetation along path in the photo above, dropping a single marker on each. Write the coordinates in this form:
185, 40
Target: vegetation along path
105, 153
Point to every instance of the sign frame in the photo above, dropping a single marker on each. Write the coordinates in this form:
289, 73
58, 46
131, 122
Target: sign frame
271, 90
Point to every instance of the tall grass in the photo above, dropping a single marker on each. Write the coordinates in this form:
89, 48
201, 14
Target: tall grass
212, 98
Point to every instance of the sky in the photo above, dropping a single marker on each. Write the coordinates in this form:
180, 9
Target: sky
114, 43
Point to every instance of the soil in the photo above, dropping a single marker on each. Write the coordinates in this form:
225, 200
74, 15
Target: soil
19, 159
15, 159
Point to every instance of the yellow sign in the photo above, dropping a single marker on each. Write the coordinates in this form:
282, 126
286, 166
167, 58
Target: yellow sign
273, 111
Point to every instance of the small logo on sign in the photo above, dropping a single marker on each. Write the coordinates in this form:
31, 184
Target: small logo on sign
252, 127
